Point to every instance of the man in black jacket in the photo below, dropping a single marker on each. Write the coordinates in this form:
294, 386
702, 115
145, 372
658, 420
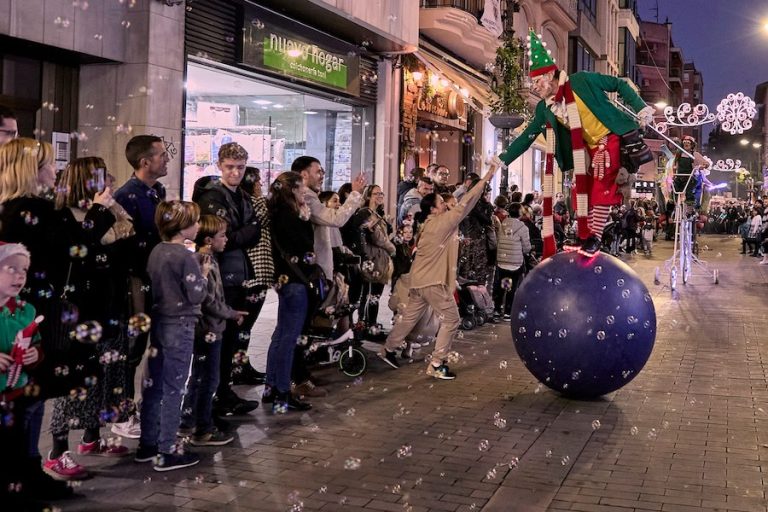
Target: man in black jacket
224, 198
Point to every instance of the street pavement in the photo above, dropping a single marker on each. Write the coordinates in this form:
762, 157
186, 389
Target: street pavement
684, 435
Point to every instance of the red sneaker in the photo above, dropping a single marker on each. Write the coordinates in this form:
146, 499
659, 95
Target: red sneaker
65, 468
108, 448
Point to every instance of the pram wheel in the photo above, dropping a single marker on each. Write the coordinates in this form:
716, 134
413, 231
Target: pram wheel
480, 319
467, 323
352, 362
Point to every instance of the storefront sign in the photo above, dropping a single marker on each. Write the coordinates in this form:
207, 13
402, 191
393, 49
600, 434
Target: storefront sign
278, 44
449, 105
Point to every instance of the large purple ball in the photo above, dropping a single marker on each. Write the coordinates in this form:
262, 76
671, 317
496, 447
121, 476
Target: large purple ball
583, 326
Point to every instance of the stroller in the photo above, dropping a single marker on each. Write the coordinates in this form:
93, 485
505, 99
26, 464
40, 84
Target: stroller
475, 303
322, 344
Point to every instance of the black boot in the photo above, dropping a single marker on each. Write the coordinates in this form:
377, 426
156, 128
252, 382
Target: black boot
229, 404
247, 375
590, 246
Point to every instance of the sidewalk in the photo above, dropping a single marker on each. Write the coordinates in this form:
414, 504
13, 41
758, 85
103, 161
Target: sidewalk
685, 435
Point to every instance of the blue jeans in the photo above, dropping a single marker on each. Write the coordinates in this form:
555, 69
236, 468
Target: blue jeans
33, 425
172, 343
197, 412
291, 314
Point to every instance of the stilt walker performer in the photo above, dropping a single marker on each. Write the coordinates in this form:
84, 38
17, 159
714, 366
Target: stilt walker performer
585, 132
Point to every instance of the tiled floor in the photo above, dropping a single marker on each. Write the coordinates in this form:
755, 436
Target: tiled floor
685, 435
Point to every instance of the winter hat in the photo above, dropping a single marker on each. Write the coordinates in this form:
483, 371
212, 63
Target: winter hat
8, 249
539, 58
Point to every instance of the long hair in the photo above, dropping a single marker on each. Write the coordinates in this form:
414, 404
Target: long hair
281, 191
368, 194
20, 161
344, 192
427, 203
77, 184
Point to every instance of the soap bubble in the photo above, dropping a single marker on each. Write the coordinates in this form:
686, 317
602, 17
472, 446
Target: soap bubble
352, 464
138, 324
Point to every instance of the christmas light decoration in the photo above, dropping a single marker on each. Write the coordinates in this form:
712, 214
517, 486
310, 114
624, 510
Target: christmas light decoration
685, 116
736, 112
726, 165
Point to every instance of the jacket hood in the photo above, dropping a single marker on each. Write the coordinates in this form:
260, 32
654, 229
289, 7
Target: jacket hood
203, 184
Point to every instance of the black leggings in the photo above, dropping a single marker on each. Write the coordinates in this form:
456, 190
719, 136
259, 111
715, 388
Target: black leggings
237, 337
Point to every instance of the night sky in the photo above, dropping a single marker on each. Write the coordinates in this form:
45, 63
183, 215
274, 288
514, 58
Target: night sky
724, 38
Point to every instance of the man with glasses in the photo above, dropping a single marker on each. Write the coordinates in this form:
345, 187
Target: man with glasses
440, 177
9, 128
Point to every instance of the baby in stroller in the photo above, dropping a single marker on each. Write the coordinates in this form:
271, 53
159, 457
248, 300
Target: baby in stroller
327, 338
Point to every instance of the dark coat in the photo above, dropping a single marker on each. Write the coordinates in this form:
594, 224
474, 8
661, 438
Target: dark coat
293, 241
59, 246
243, 228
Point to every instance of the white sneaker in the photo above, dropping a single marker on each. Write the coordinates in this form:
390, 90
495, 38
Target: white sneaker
130, 429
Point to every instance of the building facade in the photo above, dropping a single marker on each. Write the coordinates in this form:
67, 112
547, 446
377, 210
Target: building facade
283, 78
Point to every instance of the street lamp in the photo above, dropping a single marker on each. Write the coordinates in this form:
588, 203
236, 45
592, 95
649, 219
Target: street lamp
744, 142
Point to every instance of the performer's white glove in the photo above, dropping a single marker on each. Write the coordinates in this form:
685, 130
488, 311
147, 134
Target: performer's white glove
645, 116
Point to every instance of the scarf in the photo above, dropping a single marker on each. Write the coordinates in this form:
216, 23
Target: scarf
580, 192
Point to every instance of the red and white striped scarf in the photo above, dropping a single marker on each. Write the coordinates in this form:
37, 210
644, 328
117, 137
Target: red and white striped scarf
580, 192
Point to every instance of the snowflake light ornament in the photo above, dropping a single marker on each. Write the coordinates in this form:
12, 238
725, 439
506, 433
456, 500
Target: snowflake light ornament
686, 116
736, 112
728, 164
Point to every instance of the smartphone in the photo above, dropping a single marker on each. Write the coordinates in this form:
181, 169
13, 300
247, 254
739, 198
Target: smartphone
99, 179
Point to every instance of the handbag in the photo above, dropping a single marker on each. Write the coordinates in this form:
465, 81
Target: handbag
377, 267
634, 152
315, 280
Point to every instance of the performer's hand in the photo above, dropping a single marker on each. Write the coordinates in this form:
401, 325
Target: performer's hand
494, 161
645, 116
5, 362
31, 355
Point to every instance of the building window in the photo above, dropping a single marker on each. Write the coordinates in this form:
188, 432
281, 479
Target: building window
274, 124
580, 58
589, 9
627, 55
686, 92
687, 77
628, 4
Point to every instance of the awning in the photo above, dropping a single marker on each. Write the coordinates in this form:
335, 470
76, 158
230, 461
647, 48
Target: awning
480, 94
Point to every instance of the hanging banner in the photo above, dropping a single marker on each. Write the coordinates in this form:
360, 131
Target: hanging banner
491, 19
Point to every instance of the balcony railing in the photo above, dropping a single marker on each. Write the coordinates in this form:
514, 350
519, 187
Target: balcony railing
473, 7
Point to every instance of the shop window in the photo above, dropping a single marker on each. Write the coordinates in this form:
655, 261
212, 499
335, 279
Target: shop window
275, 125
538, 168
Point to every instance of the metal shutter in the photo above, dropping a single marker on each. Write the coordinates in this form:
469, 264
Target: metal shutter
211, 30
